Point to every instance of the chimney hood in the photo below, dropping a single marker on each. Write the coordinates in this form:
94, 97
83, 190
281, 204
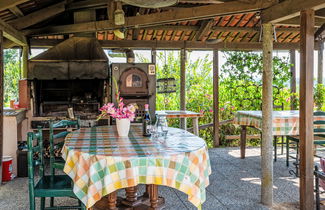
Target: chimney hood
74, 58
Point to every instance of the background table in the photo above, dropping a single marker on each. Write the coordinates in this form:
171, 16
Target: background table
99, 162
284, 123
183, 114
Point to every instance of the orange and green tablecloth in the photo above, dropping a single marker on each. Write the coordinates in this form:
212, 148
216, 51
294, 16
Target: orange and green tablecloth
284, 123
99, 162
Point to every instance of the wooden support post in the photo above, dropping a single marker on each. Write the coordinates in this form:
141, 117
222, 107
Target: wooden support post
267, 106
320, 63
216, 139
293, 85
183, 88
306, 107
24, 62
1, 102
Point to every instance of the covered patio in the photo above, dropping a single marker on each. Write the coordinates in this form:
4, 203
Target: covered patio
75, 34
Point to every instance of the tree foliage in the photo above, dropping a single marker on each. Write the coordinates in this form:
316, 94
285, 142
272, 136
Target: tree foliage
11, 75
240, 68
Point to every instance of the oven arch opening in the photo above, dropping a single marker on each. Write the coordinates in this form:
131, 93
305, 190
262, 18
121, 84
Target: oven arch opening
133, 81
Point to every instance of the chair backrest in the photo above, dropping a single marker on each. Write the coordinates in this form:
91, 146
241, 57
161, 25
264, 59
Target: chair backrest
66, 123
62, 134
319, 125
35, 155
62, 124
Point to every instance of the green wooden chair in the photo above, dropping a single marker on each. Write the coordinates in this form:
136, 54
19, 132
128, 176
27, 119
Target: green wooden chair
47, 186
319, 139
58, 162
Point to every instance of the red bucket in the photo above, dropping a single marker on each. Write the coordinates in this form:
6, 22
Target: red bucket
7, 174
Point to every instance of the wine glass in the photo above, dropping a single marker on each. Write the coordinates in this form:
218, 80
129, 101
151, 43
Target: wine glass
162, 125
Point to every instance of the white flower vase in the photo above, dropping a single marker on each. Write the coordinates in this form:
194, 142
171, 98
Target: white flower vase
123, 127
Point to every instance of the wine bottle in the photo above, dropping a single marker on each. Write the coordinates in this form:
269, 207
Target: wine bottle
146, 122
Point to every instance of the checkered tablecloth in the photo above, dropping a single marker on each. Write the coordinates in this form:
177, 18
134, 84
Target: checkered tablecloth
284, 122
99, 162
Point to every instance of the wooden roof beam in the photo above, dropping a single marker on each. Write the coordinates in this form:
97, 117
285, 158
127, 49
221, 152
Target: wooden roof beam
248, 1
6, 4
38, 16
216, 28
12, 34
177, 15
136, 44
87, 4
296, 22
202, 1
204, 29
289, 9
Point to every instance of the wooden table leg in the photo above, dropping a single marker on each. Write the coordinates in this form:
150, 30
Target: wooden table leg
153, 193
112, 198
243, 141
146, 193
196, 126
131, 197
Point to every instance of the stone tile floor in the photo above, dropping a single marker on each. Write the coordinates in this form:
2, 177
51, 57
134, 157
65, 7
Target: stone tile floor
234, 184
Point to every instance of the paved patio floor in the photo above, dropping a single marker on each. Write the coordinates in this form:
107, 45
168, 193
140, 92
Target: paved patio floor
234, 184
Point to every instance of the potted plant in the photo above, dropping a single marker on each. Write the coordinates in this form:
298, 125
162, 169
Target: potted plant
124, 114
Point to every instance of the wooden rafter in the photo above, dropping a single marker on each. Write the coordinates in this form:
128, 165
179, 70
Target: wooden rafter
10, 3
204, 29
16, 11
183, 14
289, 9
38, 16
12, 34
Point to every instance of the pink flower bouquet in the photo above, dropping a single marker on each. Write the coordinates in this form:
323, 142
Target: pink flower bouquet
119, 112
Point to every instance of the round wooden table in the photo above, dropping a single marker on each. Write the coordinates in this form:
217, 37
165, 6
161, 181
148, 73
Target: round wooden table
100, 162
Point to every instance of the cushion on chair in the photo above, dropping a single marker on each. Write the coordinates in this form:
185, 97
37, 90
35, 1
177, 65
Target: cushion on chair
54, 186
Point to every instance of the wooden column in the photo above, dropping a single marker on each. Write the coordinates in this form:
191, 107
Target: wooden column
320, 74
293, 85
267, 106
1, 102
306, 109
183, 88
24, 62
216, 139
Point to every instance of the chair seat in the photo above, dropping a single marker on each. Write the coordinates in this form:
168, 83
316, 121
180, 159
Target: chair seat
54, 186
